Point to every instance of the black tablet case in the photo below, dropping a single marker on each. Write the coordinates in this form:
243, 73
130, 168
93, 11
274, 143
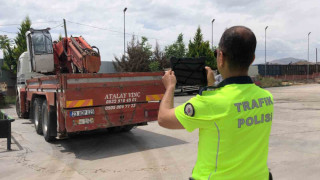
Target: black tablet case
189, 71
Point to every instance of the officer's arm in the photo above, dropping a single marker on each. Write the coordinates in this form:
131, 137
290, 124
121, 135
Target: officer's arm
166, 116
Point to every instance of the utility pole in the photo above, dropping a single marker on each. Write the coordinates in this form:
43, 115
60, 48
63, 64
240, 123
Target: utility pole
265, 51
65, 28
124, 32
308, 57
317, 60
212, 34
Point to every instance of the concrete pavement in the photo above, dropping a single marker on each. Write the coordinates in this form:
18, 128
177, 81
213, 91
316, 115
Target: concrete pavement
152, 152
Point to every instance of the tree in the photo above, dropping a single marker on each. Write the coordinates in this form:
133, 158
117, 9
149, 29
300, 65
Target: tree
158, 61
200, 48
11, 54
3, 41
146, 46
60, 38
20, 40
154, 66
177, 49
8, 55
138, 57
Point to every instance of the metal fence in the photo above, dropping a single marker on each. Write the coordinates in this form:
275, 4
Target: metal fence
296, 77
282, 70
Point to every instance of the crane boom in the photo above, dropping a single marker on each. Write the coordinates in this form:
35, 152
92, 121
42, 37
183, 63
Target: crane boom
77, 55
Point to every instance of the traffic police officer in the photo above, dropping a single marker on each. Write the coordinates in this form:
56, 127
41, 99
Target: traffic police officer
234, 119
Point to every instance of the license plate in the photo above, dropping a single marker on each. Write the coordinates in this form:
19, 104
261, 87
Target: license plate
83, 121
86, 112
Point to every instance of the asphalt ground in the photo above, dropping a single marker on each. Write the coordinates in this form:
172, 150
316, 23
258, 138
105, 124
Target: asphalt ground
152, 152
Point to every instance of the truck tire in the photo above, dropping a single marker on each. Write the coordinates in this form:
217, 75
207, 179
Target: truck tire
36, 114
18, 107
49, 123
18, 110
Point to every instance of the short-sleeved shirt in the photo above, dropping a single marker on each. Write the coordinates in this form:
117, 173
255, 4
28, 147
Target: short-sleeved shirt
234, 123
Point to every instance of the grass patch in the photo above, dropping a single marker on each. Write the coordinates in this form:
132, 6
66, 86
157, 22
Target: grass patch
270, 82
6, 100
10, 99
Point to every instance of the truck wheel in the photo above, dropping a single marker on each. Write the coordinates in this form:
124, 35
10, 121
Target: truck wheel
36, 116
127, 128
49, 122
18, 107
20, 115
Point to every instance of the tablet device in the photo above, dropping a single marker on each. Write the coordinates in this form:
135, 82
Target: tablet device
189, 71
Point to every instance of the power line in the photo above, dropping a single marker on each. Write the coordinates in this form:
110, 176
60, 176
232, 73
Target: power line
16, 32
106, 29
57, 26
31, 23
95, 27
112, 30
8, 32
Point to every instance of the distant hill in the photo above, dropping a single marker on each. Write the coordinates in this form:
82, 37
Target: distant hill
288, 61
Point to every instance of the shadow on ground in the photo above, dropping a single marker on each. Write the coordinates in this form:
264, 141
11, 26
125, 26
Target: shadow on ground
104, 145
6, 106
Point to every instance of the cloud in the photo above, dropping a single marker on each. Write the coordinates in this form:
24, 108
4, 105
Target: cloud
233, 5
162, 21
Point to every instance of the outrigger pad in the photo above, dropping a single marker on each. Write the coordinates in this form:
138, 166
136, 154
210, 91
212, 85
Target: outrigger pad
189, 71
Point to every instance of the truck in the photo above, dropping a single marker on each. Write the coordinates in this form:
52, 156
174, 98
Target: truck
59, 89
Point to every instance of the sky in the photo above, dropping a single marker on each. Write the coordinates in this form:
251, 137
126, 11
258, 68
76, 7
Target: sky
101, 23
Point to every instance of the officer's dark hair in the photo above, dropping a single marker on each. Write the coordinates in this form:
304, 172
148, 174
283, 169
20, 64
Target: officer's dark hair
238, 45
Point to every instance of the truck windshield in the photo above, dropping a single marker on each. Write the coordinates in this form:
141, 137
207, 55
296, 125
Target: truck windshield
42, 43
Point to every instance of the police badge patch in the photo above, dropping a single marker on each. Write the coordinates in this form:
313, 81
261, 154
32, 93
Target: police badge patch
189, 110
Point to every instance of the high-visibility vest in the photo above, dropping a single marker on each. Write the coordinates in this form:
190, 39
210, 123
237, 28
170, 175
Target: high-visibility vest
234, 123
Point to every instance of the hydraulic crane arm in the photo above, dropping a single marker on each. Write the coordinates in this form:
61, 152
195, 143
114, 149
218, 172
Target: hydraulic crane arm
83, 56
76, 55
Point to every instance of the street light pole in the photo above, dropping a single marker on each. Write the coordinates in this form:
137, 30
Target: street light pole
308, 57
124, 32
317, 60
212, 34
265, 51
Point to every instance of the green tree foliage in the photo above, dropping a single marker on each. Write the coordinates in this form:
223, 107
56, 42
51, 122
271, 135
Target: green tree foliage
146, 46
137, 59
200, 48
20, 40
11, 54
8, 55
3, 41
177, 49
154, 66
159, 59
141, 58
60, 38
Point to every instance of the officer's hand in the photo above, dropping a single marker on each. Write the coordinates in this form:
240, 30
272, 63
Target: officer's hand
210, 76
169, 80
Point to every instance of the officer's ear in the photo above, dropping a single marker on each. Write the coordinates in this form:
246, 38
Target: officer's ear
221, 59
254, 57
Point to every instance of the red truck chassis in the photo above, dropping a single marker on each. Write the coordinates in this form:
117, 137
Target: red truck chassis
82, 102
